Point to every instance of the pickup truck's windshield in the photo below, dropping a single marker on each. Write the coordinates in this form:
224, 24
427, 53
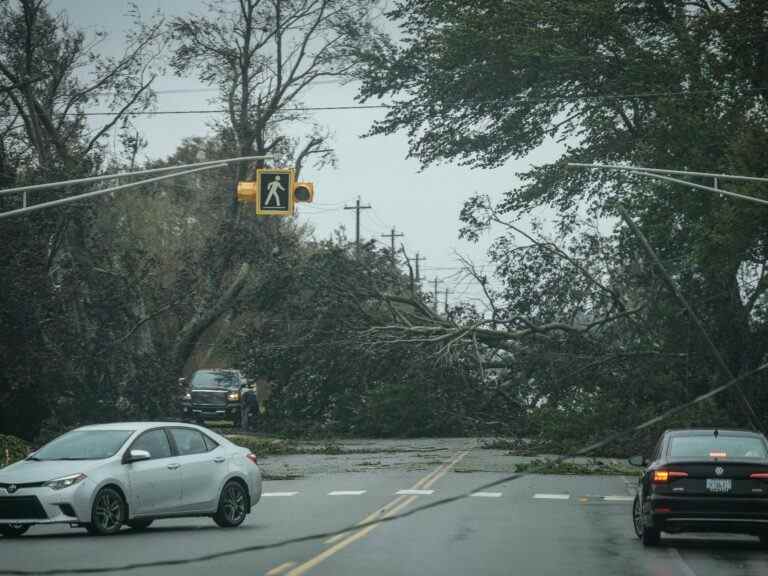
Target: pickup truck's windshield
206, 379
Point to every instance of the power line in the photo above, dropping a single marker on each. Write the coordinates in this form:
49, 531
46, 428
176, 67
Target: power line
574, 98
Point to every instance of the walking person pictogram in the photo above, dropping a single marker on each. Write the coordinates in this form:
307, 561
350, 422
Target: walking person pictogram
272, 192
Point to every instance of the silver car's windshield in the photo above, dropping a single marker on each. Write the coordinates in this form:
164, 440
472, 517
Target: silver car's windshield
84, 445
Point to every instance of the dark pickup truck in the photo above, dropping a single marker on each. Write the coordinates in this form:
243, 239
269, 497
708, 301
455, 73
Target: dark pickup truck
216, 395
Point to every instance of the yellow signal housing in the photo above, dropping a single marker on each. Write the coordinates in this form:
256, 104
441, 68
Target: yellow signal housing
247, 191
304, 192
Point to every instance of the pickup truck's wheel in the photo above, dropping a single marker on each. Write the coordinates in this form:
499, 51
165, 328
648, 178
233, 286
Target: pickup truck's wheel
13, 530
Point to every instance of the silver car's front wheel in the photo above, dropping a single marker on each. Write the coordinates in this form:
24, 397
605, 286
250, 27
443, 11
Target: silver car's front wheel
108, 512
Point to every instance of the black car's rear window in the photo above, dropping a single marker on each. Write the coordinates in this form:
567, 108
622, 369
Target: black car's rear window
709, 446
205, 379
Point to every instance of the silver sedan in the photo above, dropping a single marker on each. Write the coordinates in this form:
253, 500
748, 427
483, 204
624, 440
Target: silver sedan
105, 476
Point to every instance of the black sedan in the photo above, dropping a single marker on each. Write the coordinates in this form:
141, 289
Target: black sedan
703, 481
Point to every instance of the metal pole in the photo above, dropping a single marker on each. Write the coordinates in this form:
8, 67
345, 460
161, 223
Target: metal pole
675, 172
78, 181
654, 174
754, 420
102, 191
706, 188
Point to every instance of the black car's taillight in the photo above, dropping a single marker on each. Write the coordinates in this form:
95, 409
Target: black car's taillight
664, 476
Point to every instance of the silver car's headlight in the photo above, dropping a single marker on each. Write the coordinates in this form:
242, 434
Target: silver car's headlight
65, 482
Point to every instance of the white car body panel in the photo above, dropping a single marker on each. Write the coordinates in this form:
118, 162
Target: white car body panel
150, 487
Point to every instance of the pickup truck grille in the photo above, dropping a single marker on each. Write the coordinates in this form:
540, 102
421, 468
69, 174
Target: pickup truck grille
209, 397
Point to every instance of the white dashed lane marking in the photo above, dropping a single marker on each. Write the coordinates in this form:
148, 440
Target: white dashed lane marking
346, 492
618, 498
414, 492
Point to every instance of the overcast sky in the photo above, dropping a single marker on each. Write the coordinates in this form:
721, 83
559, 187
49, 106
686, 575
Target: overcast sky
424, 205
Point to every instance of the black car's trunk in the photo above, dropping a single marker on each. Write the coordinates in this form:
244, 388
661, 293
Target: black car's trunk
715, 477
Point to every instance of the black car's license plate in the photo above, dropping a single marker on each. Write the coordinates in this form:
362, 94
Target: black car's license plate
719, 485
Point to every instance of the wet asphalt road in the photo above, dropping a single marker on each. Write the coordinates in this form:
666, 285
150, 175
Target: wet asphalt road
535, 525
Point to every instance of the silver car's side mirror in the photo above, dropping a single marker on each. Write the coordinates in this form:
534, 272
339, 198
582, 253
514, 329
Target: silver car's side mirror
138, 456
637, 461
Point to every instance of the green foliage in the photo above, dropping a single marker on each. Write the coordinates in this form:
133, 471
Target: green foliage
12, 449
663, 84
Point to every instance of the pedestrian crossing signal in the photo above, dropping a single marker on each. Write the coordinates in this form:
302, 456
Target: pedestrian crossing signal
304, 192
274, 187
275, 192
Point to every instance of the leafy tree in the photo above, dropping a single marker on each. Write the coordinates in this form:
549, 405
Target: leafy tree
53, 294
263, 56
667, 84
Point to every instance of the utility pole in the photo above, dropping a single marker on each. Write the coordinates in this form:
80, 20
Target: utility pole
418, 259
446, 301
436, 281
357, 207
392, 237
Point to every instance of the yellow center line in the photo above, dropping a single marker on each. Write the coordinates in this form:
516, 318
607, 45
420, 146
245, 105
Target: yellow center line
362, 533
395, 502
277, 570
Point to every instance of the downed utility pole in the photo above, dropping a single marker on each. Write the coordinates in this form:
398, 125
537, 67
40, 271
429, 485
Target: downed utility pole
754, 420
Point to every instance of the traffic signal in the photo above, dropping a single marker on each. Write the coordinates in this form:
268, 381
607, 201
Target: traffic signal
247, 191
304, 192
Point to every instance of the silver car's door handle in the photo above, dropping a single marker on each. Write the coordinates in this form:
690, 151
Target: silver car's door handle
219, 459
174, 466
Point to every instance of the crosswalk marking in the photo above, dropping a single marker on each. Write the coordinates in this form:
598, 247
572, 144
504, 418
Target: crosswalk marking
277, 494
551, 496
414, 492
618, 498
346, 492
486, 495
